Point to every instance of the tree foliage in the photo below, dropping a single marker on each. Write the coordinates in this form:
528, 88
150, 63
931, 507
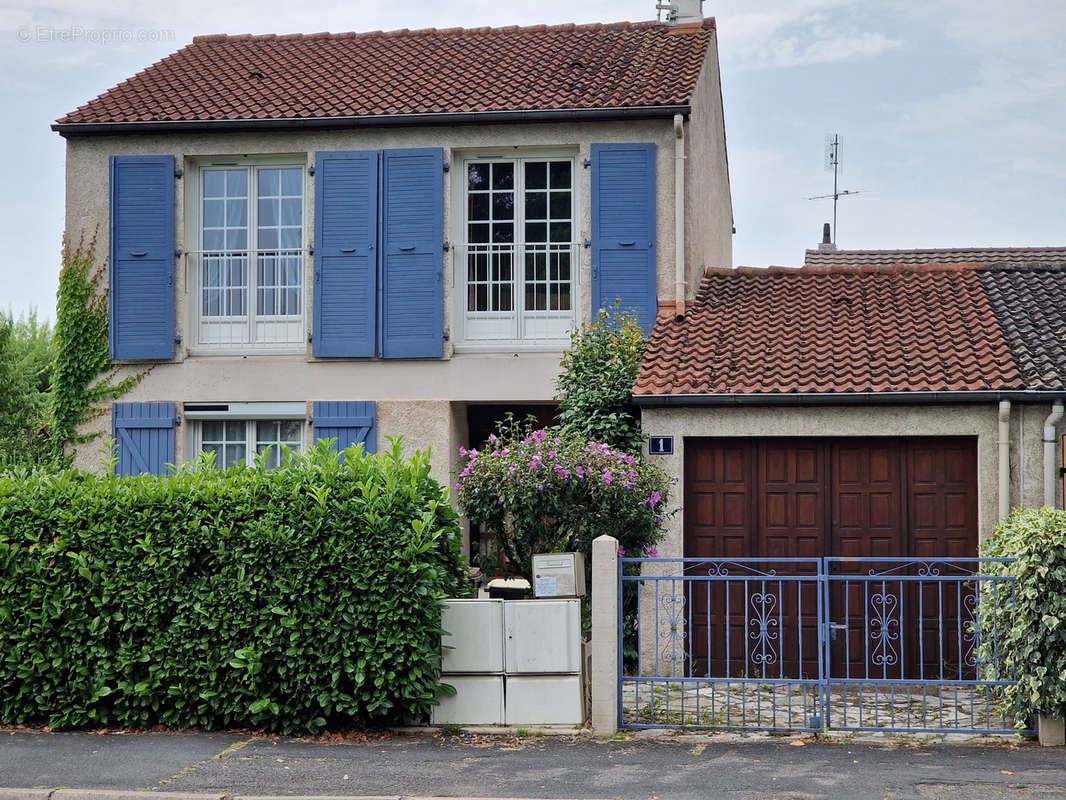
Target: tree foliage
598, 373
283, 599
25, 373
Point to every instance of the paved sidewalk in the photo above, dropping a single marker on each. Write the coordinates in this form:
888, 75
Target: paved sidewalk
640, 768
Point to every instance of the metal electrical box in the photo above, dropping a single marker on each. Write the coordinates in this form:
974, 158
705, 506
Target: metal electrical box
473, 638
478, 700
542, 636
559, 575
543, 700
515, 662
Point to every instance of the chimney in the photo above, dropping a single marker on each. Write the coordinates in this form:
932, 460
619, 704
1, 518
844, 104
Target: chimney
682, 12
827, 239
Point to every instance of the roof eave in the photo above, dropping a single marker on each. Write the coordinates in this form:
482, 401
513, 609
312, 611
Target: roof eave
372, 121
847, 398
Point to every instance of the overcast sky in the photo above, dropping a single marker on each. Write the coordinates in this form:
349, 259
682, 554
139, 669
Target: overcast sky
953, 112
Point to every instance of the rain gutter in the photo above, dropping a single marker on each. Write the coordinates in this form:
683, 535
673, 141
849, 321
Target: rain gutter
370, 121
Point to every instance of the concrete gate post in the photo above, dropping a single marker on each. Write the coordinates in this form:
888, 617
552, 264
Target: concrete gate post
605, 636
1050, 731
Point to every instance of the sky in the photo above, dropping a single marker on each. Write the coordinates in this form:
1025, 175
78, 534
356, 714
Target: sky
952, 112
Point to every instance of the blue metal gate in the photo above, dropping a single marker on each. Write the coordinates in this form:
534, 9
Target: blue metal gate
870, 644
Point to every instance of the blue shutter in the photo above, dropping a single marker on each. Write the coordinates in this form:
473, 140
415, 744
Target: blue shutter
144, 434
623, 229
412, 244
142, 257
346, 188
349, 422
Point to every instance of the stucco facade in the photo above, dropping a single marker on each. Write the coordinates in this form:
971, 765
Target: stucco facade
422, 400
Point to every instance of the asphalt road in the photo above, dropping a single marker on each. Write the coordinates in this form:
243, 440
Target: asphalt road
666, 768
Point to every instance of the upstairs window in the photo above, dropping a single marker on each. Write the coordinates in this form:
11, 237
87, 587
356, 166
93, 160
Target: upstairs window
517, 273
251, 259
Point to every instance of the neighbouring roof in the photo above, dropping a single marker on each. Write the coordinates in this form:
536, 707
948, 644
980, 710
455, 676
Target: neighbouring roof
946, 255
300, 77
864, 329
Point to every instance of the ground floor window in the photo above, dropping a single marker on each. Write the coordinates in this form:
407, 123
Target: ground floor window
238, 441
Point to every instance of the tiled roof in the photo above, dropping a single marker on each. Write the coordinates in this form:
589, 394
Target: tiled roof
1029, 300
950, 255
602, 66
901, 328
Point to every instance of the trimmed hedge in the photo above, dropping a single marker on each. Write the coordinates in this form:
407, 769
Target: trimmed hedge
286, 600
1032, 645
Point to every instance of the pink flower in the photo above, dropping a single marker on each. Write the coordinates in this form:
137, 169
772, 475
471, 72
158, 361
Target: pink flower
462, 451
653, 553
492, 437
621, 551
458, 486
551, 455
608, 477
653, 500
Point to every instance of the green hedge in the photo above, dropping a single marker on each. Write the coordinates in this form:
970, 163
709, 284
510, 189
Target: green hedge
286, 600
1032, 646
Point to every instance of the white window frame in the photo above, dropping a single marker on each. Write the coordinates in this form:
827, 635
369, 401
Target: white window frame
243, 330
465, 340
249, 414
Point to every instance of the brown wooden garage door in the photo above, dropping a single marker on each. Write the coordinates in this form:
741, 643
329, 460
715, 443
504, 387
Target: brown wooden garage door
805, 498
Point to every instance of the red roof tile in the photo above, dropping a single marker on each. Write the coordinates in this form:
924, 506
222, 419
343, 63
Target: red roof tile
941, 255
905, 328
411, 72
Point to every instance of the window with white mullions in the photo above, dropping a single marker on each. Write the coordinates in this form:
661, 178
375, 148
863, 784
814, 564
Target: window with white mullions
270, 435
228, 440
519, 255
251, 258
225, 243
237, 442
280, 239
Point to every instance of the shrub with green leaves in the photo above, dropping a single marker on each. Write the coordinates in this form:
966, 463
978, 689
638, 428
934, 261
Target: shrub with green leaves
549, 490
1031, 637
287, 600
597, 377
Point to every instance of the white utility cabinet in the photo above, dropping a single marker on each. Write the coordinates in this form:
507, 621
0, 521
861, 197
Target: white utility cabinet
542, 636
473, 641
543, 700
515, 662
478, 700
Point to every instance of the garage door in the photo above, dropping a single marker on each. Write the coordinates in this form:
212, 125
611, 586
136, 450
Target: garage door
805, 498
808, 498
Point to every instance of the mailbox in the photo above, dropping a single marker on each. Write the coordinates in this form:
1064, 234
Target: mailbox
559, 575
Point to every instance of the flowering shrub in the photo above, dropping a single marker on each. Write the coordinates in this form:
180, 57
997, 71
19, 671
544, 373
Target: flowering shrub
548, 491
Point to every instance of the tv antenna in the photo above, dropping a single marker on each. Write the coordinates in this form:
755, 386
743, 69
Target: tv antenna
834, 153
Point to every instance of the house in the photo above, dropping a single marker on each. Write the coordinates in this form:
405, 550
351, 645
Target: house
377, 234
877, 405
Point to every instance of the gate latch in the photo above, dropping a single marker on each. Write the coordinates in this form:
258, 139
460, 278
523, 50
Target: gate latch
831, 629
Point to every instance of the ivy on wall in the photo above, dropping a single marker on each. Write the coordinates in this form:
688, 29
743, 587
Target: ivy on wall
83, 375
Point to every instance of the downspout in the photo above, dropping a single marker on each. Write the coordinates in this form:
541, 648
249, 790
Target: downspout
1004, 459
679, 215
1050, 473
